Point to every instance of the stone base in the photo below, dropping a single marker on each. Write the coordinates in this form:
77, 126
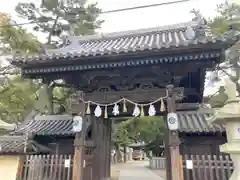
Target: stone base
236, 162
233, 150
235, 176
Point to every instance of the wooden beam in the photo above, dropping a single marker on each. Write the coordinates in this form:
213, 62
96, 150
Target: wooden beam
187, 106
136, 96
179, 107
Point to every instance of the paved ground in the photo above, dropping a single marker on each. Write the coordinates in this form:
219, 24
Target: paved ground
137, 170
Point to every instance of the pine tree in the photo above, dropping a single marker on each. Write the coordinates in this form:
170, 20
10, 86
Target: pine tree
228, 20
59, 17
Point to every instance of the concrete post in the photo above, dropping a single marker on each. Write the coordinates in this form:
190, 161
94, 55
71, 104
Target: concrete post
229, 115
130, 154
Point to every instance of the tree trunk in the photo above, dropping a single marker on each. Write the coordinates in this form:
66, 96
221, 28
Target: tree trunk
51, 32
125, 154
238, 89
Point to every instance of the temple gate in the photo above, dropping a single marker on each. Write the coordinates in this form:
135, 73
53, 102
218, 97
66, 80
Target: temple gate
162, 66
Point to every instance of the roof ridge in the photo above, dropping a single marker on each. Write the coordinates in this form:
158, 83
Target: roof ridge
184, 35
134, 32
198, 111
52, 117
12, 138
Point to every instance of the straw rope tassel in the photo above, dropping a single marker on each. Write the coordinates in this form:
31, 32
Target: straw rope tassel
162, 106
124, 106
88, 111
105, 113
142, 112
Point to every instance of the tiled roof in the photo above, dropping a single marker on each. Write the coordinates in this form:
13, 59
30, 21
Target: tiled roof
196, 122
60, 125
150, 40
47, 125
20, 145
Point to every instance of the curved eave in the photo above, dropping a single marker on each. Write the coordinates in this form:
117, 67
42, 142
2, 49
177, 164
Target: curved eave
7, 126
171, 59
77, 57
137, 145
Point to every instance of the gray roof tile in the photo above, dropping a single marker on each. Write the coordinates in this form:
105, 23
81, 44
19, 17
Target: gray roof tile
196, 122
20, 144
60, 125
47, 125
151, 39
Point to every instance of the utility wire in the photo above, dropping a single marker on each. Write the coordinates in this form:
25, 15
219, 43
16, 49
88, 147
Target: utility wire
112, 11
144, 6
12, 72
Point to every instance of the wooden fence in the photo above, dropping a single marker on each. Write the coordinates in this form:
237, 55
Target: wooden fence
119, 158
59, 167
207, 167
54, 167
204, 167
157, 163
47, 167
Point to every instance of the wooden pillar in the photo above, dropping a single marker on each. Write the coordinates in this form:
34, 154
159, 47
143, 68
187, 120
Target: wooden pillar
100, 149
167, 150
124, 154
109, 132
173, 159
103, 149
107, 147
96, 159
102, 158
78, 108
